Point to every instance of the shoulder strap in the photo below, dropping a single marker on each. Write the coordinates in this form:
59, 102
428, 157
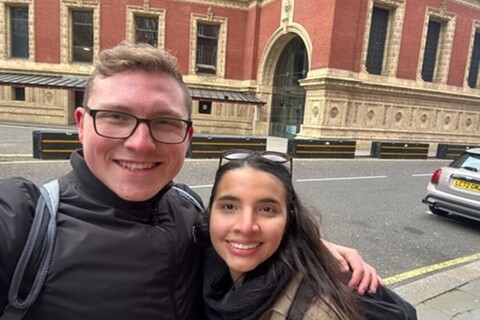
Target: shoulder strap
187, 196
37, 253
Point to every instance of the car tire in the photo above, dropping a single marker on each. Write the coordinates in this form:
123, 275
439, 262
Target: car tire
438, 212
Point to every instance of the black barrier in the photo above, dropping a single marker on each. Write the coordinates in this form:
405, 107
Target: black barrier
321, 148
54, 145
212, 147
451, 151
399, 150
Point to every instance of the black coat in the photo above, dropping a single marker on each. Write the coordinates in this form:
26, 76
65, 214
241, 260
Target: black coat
113, 259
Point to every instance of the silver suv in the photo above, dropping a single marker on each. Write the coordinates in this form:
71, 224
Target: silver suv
455, 189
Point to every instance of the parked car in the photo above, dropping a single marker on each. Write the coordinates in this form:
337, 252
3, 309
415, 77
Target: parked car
455, 189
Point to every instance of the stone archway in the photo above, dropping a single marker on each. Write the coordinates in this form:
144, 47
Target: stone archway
288, 97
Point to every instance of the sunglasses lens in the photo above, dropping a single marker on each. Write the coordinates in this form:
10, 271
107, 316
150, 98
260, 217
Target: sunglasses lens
241, 154
237, 156
275, 158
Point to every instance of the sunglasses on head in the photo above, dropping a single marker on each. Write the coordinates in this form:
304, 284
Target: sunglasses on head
242, 154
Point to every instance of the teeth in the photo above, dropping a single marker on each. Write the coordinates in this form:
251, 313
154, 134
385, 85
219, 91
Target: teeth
136, 165
242, 246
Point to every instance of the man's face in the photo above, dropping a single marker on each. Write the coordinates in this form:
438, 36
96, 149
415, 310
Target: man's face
138, 167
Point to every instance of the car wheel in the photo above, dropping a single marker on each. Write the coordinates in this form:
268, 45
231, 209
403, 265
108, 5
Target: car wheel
438, 212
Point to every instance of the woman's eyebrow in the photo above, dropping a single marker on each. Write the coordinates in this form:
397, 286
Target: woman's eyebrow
227, 197
269, 200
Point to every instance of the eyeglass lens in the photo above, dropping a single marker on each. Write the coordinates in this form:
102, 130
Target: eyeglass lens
122, 125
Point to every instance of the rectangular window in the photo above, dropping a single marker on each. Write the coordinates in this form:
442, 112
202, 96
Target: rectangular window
146, 30
207, 46
19, 32
431, 48
300, 65
474, 63
376, 41
82, 36
78, 98
205, 107
18, 93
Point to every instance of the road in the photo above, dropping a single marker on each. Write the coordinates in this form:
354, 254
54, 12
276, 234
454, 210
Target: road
372, 205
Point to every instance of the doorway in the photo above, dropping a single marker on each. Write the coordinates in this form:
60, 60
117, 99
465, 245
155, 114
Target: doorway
288, 97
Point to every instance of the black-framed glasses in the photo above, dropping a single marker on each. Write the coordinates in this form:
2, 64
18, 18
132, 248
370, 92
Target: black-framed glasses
242, 154
121, 125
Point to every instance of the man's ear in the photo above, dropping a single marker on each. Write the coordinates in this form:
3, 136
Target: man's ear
79, 116
190, 133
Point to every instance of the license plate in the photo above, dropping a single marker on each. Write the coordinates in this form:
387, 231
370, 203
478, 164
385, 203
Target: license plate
466, 185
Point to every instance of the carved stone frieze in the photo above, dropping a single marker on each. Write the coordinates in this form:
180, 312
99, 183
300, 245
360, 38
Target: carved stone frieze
364, 112
49, 98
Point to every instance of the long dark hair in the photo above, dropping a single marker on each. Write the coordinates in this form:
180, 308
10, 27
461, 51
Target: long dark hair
301, 248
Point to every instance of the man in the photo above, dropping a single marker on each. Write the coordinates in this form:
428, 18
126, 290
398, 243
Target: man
126, 245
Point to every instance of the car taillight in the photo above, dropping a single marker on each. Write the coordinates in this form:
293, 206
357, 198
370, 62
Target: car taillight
436, 176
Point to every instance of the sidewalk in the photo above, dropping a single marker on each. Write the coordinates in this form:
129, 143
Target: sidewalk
447, 295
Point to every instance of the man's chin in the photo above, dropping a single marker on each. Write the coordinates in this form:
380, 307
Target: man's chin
135, 198
136, 194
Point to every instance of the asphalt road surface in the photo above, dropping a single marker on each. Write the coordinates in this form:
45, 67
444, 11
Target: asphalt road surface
372, 205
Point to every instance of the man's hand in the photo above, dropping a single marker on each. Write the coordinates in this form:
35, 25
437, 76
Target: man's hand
364, 276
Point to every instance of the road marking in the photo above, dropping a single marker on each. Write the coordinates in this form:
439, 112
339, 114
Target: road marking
422, 175
201, 186
342, 178
8, 155
32, 161
431, 268
35, 127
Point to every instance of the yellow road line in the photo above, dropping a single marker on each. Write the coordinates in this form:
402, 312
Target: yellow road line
434, 267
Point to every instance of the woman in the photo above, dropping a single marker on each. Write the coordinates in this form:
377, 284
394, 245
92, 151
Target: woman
267, 260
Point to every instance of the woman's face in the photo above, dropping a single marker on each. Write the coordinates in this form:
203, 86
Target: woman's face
247, 219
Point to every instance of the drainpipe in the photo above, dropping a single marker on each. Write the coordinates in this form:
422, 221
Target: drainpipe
254, 122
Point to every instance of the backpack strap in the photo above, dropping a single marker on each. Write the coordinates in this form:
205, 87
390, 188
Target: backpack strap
192, 200
187, 196
37, 253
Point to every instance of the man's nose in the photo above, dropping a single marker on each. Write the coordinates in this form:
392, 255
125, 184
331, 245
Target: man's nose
141, 138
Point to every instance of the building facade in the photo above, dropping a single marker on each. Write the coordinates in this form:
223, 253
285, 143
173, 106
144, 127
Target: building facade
364, 70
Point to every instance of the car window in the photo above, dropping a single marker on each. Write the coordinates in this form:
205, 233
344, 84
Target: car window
469, 161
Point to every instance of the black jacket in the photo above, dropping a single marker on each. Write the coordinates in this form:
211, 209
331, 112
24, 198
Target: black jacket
113, 259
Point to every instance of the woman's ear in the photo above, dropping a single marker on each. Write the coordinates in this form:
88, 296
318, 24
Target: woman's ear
290, 221
205, 222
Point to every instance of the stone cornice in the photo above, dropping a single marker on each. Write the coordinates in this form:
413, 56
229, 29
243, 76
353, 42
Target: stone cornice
231, 4
356, 86
468, 3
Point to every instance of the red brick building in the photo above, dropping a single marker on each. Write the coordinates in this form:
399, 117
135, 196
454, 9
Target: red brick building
399, 70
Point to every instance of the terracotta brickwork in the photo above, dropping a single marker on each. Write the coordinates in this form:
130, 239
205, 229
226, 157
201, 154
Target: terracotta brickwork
343, 100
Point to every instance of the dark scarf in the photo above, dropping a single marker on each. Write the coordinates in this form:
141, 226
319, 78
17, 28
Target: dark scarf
257, 293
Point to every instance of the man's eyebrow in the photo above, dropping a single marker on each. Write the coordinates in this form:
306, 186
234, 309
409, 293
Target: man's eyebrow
131, 110
114, 108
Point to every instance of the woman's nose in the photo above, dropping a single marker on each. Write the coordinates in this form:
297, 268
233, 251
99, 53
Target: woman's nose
247, 222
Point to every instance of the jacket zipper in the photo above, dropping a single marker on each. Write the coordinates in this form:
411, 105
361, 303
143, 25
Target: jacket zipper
156, 223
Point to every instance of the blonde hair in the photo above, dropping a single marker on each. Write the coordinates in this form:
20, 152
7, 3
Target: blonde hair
129, 56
